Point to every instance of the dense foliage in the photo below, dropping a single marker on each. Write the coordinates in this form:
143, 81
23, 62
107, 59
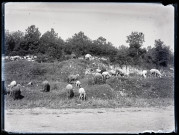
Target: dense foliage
50, 47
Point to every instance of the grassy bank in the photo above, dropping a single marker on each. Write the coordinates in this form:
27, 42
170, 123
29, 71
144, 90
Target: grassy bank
139, 92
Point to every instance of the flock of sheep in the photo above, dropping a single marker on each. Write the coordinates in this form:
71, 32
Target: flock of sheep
105, 74
16, 58
99, 75
15, 92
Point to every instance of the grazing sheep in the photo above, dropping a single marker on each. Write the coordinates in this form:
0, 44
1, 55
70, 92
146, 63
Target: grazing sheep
155, 73
15, 92
78, 84
70, 93
102, 70
88, 57
144, 73
98, 70
45, 86
106, 75
73, 77
98, 78
6, 57
112, 72
82, 94
30, 83
120, 72
12, 84
88, 71
73, 56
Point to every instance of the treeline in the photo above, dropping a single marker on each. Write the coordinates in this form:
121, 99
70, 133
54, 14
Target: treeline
50, 47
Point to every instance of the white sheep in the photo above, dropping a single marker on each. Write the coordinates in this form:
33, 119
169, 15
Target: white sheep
171, 69
30, 83
88, 57
106, 75
144, 73
12, 84
82, 94
112, 72
88, 71
120, 71
155, 72
6, 57
98, 70
78, 84
73, 77
69, 87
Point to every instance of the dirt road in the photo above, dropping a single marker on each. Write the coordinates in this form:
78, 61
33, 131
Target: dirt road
120, 120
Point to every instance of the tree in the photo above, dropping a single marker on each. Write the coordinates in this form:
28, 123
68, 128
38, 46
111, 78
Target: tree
122, 57
161, 53
49, 37
51, 44
101, 40
9, 43
135, 41
32, 39
104, 48
78, 44
12, 42
158, 56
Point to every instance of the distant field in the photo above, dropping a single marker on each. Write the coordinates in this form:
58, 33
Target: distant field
139, 92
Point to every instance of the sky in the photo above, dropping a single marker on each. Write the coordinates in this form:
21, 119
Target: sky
113, 21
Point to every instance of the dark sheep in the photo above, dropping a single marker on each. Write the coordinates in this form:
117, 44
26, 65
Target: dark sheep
98, 78
119, 72
70, 92
45, 86
15, 93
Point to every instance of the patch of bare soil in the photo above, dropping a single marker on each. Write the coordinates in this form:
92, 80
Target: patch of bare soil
118, 120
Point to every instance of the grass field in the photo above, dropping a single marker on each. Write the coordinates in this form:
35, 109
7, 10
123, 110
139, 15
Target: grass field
139, 92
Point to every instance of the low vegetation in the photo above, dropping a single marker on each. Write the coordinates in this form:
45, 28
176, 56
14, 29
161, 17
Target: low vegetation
137, 91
